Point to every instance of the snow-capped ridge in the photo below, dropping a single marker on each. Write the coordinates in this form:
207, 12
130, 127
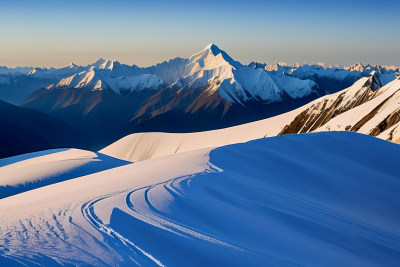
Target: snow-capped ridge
213, 70
211, 57
71, 65
98, 63
96, 79
373, 81
108, 65
84, 79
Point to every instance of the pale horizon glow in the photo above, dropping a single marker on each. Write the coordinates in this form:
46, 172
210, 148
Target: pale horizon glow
46, 33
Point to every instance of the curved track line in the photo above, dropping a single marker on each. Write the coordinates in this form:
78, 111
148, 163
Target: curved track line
87, 209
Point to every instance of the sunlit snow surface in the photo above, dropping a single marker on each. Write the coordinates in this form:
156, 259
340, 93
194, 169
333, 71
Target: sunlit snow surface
313, 199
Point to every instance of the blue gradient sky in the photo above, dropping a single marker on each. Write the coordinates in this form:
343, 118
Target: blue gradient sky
57, 32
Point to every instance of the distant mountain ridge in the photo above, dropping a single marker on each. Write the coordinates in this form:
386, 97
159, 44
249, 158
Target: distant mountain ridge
209, 90
365, 107
212, 68
191, 72
331, 78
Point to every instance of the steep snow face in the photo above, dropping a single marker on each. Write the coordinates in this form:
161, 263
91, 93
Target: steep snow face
216, 70
98, 63
119, 70
136, 83
116, 69
290, 200
332, 73
209, 66
169, 71
248, 84
101, 79
294, 87
85, 79
280, 73
54, 73
373, 116
107, 65
210, 58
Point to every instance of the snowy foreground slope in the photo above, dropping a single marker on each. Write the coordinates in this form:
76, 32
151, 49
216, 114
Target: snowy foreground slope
365, 107
312, 199
29, 171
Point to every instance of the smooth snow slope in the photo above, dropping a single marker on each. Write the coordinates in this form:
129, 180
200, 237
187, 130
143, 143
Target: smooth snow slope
50, 226
322, 199
29, 171
142, 146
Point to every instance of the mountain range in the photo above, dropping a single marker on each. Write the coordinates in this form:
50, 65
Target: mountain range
279, 164
365, 107
105, 101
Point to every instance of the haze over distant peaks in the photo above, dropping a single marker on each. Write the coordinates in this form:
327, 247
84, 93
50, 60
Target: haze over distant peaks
207, 90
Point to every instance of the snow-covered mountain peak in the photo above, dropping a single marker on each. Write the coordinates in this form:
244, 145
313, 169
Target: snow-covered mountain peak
108, 65
214, 69
99, 79
210, 46
98, 63
211, 58
81, 80
215, 50
372, 81
356, 67
71, 65
36, 70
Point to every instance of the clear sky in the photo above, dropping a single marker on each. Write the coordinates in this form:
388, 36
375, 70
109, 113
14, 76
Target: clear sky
144, 32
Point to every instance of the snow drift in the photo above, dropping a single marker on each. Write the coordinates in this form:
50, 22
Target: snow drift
29, 171
313, 199
364, 107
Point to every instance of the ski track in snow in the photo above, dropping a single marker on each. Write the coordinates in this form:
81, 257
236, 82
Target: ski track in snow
274, 221
67, 232
151, 216
95, 221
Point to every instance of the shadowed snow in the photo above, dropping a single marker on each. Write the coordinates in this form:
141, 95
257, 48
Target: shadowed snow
34, 170
323, 199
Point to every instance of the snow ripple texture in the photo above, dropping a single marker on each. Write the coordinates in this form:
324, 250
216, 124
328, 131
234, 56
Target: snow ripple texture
323, 199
